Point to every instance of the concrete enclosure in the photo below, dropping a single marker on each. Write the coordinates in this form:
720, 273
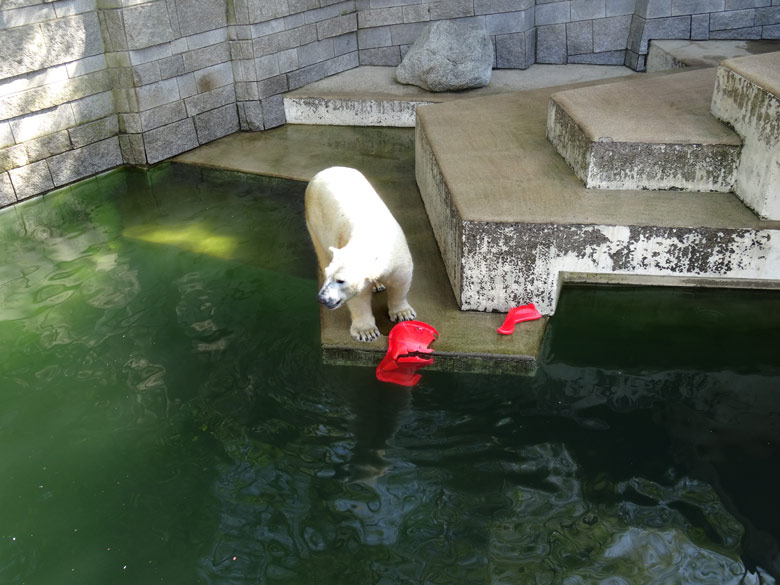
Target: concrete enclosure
86, 85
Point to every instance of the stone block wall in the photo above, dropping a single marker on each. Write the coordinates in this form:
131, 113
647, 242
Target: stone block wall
387, 28
86, 85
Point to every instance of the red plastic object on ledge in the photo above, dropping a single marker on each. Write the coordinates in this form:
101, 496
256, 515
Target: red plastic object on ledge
518, 315
407, 348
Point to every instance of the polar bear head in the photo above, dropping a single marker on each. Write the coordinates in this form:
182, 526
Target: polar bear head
345, 277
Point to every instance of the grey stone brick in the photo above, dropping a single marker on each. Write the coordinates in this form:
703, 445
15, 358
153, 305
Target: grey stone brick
635, 61
273, 112
654, 8
93, 107
295, 21
163, 115
303, 5
7, 195
554, 13
22, 49
140, 56
371, 38
511, 51
196, 16
620, 7
588, 9
742, 4
214, 77
605, 58
246, 90
208, 101
206, 39
337, 26
675, 27
451, 9
170, 140
700, 27
389, 3
509, 22
206, 57
315, 52
611, 34
47, 146
406, 34
42, 123
696, 6
345, 44
86, 65
272, 86
13, 156
484, 7
579, 37
31, 180
551, 44
172, 66
770, 32
250, 116
131, 146
94, 131
737, 34
240, 33
147, 24
72, 38
263, 10
767, 16
380, 17
246, 70
23, 15
130, 123
281, 41
288, 60
270, 27
732, 19
384, 56
186, 85
146, 73
6, 136
418, 13
216, 123
111, 23
157, 94
329, 11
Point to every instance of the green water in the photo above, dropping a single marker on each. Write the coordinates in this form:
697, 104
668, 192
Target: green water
165, 417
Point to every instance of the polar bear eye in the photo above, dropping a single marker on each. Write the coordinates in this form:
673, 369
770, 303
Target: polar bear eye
339, 281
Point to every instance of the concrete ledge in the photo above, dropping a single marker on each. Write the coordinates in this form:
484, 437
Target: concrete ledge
370, 96
649, 133
747, 97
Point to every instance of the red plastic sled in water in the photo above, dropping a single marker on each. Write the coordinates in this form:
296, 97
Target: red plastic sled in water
518, 315
407, 348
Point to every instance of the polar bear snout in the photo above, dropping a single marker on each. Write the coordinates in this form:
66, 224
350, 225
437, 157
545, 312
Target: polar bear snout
331, 295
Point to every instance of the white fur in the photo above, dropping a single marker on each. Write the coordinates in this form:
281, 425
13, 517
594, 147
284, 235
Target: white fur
360, 248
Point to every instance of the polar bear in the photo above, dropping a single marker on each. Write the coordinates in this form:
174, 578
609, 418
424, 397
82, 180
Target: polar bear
360, 247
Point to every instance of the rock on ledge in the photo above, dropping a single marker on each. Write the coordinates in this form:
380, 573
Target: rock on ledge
448, 56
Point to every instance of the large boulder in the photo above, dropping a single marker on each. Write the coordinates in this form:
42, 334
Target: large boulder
448, 56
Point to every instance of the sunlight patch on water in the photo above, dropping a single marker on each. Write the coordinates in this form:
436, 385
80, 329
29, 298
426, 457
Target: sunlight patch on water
195, 237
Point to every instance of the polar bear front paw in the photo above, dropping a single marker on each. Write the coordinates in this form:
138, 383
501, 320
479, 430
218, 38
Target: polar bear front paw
378, 287
364, 334
404, 314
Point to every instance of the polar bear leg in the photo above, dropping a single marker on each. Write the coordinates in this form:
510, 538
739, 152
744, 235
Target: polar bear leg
398, 308
363, 326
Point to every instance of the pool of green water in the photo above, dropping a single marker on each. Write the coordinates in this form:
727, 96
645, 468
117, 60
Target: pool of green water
165, 417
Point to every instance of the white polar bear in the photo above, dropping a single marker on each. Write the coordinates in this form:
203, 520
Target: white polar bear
368, 250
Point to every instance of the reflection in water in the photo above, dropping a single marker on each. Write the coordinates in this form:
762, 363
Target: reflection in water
165, 417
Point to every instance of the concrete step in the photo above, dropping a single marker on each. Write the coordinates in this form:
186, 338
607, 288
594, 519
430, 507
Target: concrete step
747, 97
655, 132
676, 54
513, 223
